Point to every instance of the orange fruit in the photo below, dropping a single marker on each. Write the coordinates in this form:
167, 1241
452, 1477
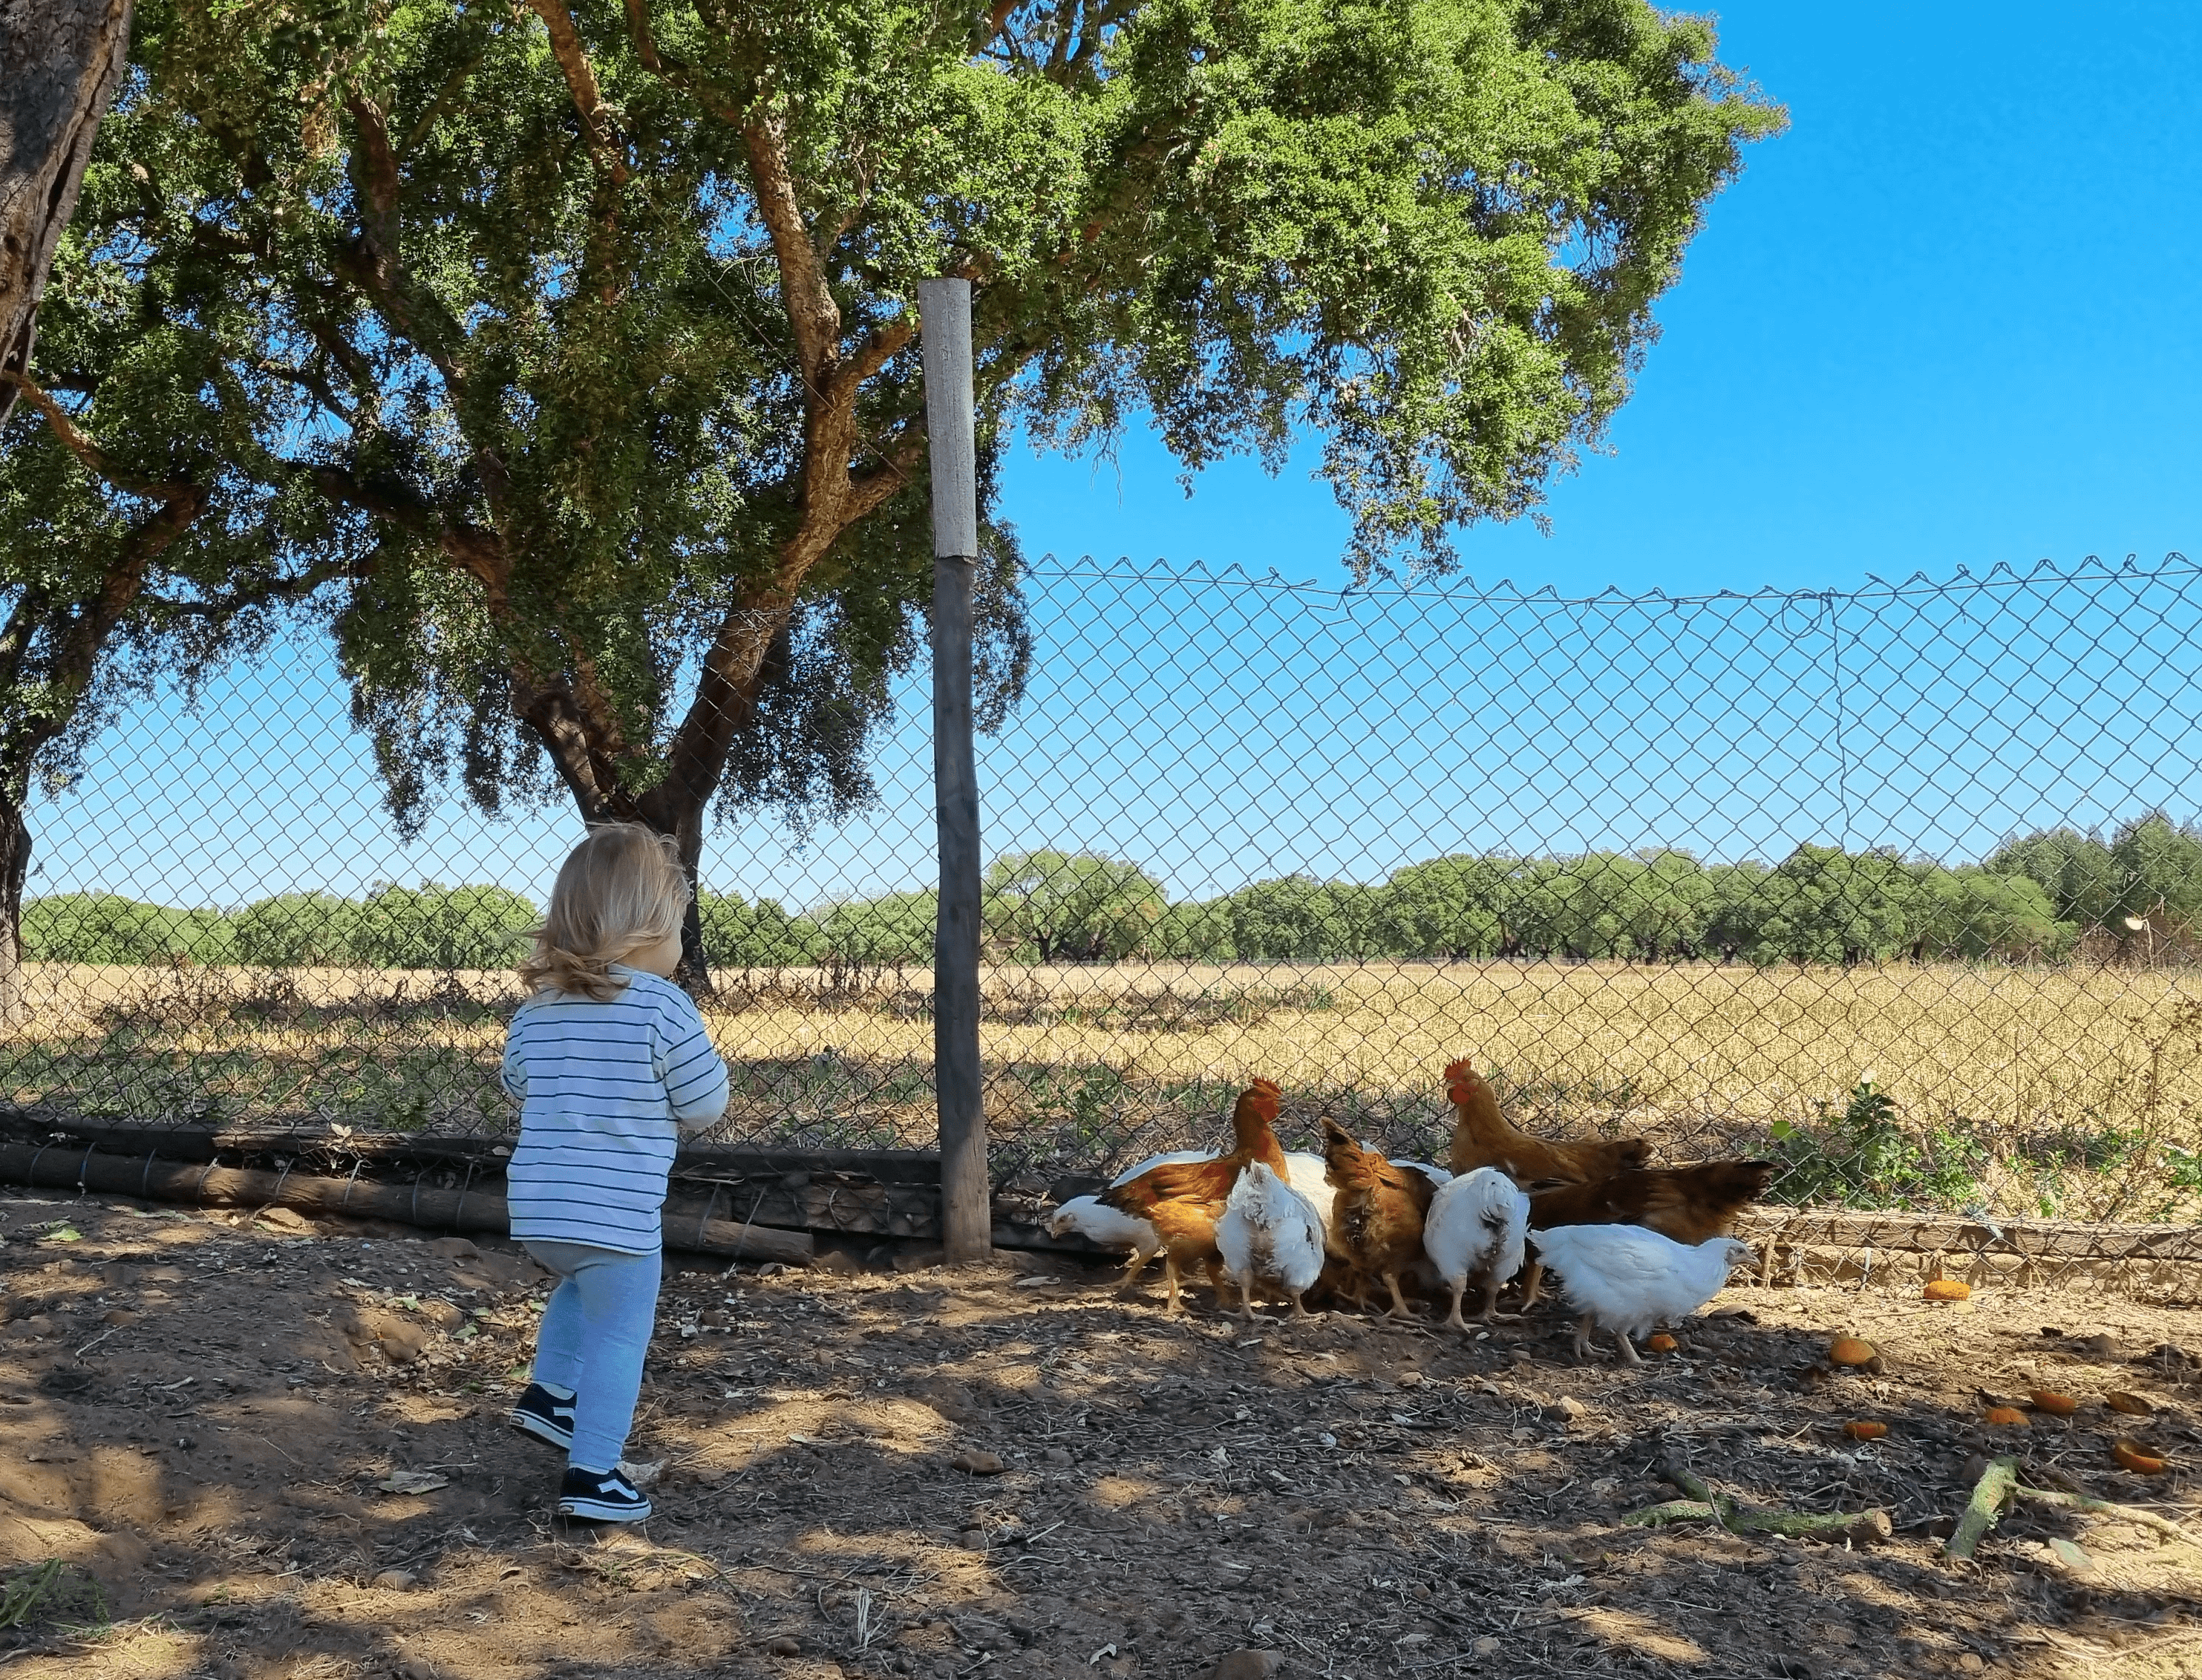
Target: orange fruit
2132, 1405
2056, 1404
1661, 1343
1948, 1289
2008, 1417
2132, 1458
1850, 1350
1865, 1431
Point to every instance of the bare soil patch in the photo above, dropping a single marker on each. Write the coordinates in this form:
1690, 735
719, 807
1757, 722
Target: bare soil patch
206, 1420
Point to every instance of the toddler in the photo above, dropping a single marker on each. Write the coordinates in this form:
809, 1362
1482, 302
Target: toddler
611, 1064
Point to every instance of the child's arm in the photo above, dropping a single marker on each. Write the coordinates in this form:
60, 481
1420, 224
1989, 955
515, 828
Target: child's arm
695, 1084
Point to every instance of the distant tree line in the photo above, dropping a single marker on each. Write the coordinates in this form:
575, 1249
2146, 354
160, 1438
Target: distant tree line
2037, 899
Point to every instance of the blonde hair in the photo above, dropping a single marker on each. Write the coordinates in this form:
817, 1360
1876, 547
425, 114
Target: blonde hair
619, 891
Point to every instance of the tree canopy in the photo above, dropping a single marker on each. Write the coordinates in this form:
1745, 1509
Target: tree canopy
587, 333
1820, 904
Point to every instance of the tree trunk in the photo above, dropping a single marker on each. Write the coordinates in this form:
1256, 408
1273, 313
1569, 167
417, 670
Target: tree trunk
14, 867
60, 61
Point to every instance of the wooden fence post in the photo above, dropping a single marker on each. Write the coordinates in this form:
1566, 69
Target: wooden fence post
966, 1194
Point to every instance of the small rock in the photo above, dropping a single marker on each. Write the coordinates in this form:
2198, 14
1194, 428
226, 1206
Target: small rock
1970, 1664
1484, 1646
1248, 1665
397, 1580
974, 1540
1057, 1455
784, 1645
402, 1342
1571, 1408
976, 1462
284, 1219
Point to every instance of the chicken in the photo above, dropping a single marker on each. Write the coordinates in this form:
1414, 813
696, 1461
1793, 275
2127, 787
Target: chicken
1625, 1279
1269, 1231
1376, 1222
1107, 1228
1691, 1205
1307, 1175
1475, 1224
1183, 1200
1482, 1138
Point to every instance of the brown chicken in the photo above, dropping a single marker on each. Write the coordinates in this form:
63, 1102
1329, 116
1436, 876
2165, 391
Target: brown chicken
1376, 1218
1482, 1138
1691, 1205
1183, 1200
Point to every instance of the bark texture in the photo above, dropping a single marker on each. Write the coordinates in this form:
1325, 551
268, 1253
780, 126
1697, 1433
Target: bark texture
60, 61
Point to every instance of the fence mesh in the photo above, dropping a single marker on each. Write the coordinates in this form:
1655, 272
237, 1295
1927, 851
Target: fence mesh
1897, 886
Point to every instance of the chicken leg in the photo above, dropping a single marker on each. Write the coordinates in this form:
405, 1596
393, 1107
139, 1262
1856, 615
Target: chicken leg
1453, 1320
1399, 1307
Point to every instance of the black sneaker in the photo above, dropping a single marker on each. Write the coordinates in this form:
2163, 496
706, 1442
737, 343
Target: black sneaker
542, 1414
601, 1496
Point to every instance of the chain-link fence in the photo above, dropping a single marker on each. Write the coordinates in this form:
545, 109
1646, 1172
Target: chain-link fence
1896, 886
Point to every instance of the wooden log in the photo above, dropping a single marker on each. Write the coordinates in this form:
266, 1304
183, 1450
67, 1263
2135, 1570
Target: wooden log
1768, 1227
1991, 1494
1863, 1528
2103, 1507
70, 1167
199, 1143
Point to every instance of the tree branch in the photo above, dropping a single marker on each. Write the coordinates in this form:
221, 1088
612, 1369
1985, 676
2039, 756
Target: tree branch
293, 588
581, 81
95, 459
310, 382
812, 314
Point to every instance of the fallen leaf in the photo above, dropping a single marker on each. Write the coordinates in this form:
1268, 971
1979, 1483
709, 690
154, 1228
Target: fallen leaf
412, 1482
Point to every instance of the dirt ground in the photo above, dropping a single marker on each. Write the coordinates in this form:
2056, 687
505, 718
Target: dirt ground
1009, 1471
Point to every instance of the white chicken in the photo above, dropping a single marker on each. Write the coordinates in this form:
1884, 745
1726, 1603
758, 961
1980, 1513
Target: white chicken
1625, 1279
1106, 1227
1268, 1230
1475, 1225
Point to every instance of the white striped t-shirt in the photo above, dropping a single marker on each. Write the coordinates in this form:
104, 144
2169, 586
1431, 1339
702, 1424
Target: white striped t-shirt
605, 1091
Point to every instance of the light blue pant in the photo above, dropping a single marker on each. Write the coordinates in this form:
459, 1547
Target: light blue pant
595, 1329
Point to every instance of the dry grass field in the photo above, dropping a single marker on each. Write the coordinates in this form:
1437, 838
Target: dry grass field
2068, 1083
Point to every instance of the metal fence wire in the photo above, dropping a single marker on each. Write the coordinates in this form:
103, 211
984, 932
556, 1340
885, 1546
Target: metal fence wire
1899, 886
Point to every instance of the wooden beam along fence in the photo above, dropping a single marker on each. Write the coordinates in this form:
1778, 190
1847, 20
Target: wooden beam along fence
455, 1183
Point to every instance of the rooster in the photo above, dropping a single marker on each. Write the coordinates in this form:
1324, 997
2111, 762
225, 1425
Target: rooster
1376, 1222
1482, 1138
1691, 1205
1181, 1200
1475, 1224
1269, 1231
1625, 1279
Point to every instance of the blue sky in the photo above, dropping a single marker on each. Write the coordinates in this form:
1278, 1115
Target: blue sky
1947, 320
